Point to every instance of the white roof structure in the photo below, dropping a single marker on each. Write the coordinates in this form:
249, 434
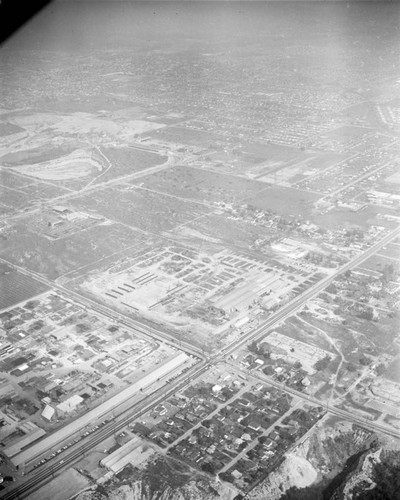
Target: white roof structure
23, 441
131, 452
48, 412
70, 404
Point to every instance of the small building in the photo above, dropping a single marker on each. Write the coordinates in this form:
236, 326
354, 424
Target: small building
69, 405
48, 413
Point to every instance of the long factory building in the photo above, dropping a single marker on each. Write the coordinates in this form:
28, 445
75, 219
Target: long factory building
93, 416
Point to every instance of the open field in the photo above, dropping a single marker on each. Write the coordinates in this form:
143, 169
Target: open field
63, 487
185, 136
11, 180
9, 129
201, 185
222, 230
347, 133
145, 210
27, 195
299, 330
299, 169
52, 259
393, 370
285, 201
391, 251
128, 160
255, 160
345, 217
16, 287
377, 263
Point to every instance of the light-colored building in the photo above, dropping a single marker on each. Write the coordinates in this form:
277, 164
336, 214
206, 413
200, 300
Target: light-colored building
69, 405
48, 413
22, 442
131, 452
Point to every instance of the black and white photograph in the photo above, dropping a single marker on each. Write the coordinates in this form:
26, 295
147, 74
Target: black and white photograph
200, 250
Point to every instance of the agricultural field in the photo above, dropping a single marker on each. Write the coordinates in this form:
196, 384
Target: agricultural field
22, 246
145, 210
17, 287
200, 185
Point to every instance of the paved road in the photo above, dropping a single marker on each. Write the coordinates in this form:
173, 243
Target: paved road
45, 474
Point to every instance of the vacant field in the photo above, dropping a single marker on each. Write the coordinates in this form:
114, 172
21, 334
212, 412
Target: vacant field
377, 263
13, 198
219, 229
347, 133
125, 161
16, 287
41, 190
9, 129
393, 370
391, 251
63, 487
359, 337
11, 180
272, 152
190, 137
285, 201
201, 185
53, 259
344, 217
5, 210
26, 195
299, 330
145, 210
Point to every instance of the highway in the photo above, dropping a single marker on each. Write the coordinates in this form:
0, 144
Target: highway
47, 471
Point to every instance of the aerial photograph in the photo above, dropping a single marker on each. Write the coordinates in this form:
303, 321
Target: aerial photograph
200, 251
